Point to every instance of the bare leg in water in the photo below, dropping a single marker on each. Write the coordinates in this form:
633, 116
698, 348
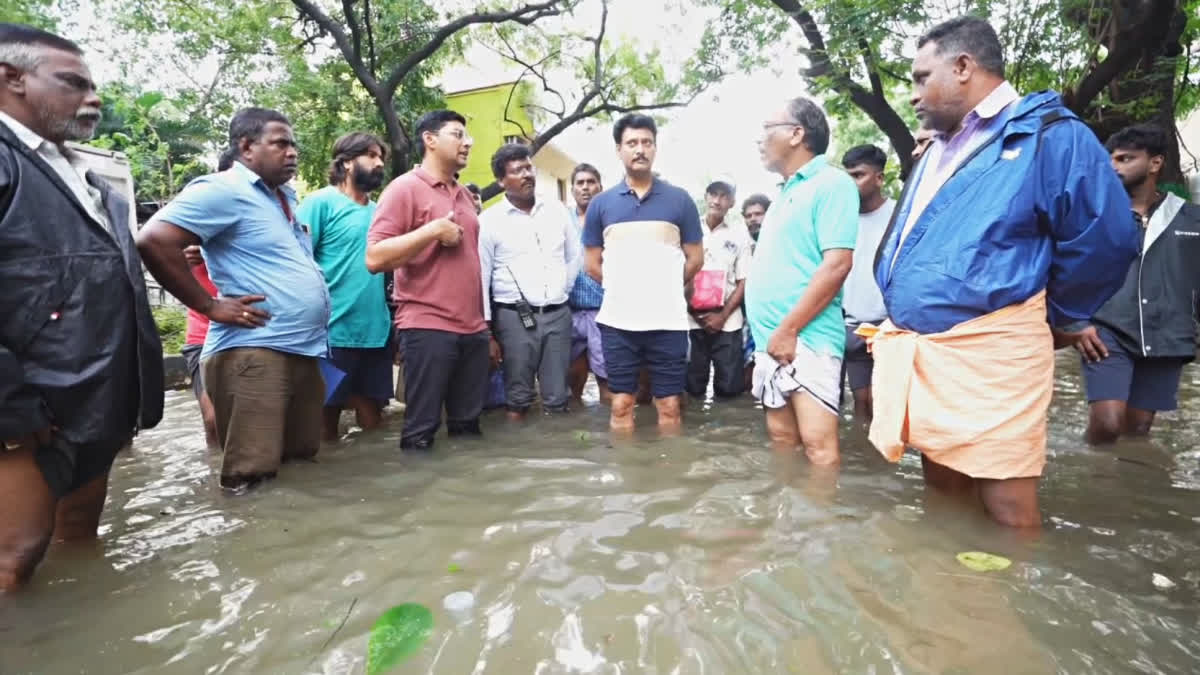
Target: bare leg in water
1012, 502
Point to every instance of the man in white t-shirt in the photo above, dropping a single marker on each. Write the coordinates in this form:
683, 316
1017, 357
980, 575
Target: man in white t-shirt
643, 243
862, 301
715, 306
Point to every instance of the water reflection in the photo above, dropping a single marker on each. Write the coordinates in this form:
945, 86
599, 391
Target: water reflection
706, 553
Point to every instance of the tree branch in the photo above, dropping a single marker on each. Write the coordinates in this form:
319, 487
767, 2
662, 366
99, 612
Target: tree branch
872, 102
371, 60
524, 15
355, 32
508, 104
872, 71
1128, 44
310, 9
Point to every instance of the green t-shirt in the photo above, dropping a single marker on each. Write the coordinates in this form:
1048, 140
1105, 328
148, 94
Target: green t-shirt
817, 211
339, 225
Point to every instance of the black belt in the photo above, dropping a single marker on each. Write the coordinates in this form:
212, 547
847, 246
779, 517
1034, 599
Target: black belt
536, 310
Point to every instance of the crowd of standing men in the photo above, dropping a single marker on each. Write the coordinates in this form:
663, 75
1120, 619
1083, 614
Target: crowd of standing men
940, 310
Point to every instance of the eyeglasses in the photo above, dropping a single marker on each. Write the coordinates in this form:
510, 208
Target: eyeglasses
771, 125
460, 135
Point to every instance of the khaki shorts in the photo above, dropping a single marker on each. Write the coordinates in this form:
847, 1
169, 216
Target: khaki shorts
268, 409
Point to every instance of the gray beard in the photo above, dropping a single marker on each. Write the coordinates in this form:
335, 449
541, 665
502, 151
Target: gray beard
71, 129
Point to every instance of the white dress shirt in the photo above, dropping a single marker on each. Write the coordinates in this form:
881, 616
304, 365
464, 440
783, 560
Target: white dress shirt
69, 166
536, 254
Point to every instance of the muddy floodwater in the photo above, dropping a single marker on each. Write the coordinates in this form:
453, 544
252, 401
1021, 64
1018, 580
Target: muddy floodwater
701, 554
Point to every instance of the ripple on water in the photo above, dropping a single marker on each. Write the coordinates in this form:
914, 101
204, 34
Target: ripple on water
706, 553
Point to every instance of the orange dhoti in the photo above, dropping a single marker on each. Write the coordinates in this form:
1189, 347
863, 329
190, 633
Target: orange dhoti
973, 398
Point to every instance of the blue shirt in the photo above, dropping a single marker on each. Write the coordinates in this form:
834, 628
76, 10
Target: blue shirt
587, 293
817, 211
643, 258
338, 224
253, 247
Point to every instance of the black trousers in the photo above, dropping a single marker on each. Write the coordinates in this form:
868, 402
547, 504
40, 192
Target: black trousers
720, 352
442, 369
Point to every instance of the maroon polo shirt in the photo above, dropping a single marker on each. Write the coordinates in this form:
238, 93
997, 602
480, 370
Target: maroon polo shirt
439, 289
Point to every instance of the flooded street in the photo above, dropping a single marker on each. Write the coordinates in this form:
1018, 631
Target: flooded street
701, 554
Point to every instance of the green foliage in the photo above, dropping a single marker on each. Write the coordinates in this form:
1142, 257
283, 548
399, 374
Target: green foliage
1050, 44
397, 635
165, 144
172, 327
35, 13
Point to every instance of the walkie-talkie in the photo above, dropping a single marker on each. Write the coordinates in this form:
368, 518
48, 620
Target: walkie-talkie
524, 311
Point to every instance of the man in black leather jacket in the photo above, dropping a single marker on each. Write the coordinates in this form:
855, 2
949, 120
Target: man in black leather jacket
80, 358
1134, 348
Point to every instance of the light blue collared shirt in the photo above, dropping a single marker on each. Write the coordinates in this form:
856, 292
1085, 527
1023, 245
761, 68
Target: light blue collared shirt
252, 246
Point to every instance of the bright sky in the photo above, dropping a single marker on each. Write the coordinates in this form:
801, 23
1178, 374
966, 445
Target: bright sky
713, 138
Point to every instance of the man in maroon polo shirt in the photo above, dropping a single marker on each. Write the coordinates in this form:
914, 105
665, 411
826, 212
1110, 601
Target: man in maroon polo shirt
425, 228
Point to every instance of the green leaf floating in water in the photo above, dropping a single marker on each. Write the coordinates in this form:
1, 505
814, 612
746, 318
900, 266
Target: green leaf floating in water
453, 567
397, 635
983, 562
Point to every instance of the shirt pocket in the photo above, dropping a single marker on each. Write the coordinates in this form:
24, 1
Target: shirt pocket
36, 290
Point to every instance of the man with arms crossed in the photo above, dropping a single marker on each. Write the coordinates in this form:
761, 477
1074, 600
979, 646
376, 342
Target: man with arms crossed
793, 294
643, 241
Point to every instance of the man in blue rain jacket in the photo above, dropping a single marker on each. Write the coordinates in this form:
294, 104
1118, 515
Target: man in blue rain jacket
1013, 221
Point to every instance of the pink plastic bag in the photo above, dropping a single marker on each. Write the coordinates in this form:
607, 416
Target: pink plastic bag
708, 290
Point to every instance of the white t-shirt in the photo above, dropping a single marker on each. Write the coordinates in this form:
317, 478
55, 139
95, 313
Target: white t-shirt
862, 301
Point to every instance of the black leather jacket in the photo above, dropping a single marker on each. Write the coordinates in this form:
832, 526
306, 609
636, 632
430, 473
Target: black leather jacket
78, 344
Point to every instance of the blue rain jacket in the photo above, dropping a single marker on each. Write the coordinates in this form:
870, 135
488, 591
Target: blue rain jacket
1037, 206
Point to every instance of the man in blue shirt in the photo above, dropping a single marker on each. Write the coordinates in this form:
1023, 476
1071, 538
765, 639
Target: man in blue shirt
338, 217
794, 291
585, 297
269, 323
643, 241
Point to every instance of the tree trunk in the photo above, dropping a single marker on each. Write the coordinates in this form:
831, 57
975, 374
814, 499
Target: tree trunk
1141, 89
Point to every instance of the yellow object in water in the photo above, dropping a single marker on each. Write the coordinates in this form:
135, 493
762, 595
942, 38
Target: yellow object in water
983, 562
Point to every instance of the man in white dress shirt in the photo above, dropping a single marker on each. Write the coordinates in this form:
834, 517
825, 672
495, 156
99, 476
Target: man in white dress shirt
529, 258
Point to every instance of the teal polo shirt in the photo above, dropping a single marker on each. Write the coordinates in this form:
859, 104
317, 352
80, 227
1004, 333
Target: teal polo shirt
817, 211
360, 318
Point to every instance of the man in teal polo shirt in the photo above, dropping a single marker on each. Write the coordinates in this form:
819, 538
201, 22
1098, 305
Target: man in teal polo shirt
794, 289
338, 217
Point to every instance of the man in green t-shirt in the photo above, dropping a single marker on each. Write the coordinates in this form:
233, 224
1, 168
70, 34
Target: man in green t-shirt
338, 217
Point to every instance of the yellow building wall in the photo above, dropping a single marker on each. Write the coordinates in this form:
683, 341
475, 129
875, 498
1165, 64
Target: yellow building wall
484, 110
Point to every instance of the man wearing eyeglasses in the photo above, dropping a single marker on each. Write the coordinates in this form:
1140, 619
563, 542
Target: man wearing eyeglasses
426, 229
794, 290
